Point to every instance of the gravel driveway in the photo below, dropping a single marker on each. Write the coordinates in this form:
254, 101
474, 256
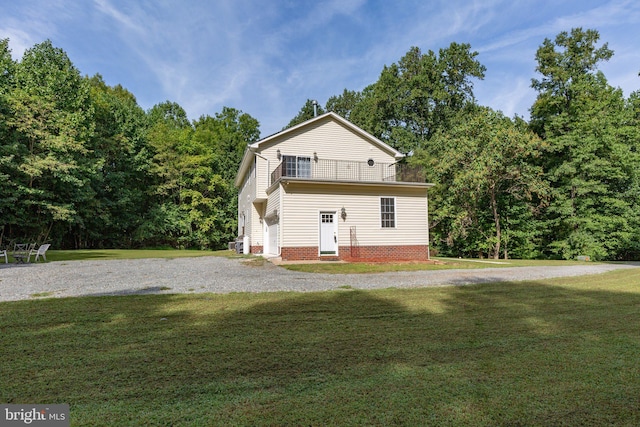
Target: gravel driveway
222, 275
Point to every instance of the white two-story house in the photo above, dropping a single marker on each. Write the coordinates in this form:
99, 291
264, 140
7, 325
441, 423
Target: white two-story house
326, 189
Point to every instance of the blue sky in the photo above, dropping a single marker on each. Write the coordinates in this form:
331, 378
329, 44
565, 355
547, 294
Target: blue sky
267, 58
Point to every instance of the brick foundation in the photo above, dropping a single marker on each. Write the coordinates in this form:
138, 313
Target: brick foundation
386, 253
362, 253
307, 253
257, 249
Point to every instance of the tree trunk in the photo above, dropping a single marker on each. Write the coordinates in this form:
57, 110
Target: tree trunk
496, 219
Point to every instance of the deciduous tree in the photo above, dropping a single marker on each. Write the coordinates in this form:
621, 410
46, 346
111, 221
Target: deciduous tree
344, 103
419, 95
50, 122
309, 110
486, 181
590, 164
121, 177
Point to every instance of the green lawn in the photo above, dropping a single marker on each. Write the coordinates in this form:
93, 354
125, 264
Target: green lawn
440, 264
556, 352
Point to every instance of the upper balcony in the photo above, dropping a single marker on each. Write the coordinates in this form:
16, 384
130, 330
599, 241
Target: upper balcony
344, 170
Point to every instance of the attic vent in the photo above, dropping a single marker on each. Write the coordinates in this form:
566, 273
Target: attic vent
370, 162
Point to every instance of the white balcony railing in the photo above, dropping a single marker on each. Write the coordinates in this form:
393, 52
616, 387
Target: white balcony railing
344, 170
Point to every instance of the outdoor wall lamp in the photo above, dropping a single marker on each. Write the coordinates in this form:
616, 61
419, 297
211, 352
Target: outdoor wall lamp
343, 213
315, 156
278, 154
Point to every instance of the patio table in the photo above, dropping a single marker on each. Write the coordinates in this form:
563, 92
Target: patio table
21, 252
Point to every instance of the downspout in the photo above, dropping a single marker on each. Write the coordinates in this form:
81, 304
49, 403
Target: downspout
280, 221
428, 236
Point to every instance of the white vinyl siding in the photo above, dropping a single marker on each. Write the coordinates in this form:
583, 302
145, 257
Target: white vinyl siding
328, 140
262, 177
302, 202
298, 204
245, 207
272, 221
273, 203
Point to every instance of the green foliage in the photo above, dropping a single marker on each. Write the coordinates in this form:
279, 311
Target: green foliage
344, 104
194, 168
8, 196
121, 176
592, 160
418, 96
488, 186
7, 67
307, 112
48, 119
83, 166
570, 59
169, 113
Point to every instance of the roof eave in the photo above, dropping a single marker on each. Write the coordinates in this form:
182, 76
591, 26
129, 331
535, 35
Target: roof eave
398, 155
247, 157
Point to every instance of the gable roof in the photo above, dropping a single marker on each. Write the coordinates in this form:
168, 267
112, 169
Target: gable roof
254, 148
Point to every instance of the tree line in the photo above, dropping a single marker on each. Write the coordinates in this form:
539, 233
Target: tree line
562, 185
83, 166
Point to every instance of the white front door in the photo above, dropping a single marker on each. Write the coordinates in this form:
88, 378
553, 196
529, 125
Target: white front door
328, 233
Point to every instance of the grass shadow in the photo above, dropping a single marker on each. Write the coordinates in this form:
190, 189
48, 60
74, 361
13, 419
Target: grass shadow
503, 354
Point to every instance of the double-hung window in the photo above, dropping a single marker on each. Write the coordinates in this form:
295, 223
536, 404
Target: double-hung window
388, 212
294, 166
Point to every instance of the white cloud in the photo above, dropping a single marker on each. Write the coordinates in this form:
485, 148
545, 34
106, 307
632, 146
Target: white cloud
322, 13
19, 41
267, 58
510, 95
125, 20
35, 27
613, 13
